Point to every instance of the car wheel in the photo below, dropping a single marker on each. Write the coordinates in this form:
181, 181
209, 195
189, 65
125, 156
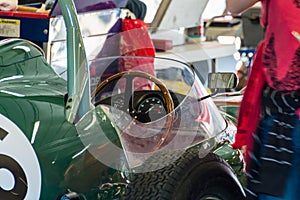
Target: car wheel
190, 177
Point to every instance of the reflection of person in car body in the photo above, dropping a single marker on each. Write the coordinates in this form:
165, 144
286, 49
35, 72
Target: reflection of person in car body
270, 107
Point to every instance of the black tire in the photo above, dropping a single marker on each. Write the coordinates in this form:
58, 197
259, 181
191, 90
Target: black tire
189, 178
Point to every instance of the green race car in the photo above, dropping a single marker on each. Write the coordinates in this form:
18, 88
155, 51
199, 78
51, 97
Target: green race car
135, 135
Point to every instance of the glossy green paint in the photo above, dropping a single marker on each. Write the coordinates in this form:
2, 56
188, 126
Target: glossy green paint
231, 111
33, 95
79, 99
233, 157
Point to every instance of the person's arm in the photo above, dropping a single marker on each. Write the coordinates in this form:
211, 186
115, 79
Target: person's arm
238, 6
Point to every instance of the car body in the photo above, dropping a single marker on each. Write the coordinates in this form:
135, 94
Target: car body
65, 139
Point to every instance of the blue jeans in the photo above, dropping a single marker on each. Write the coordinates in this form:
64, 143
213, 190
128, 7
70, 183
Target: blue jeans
293, 184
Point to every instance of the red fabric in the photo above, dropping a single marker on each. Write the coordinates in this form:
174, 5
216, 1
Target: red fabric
249, 113
276, 63
135, 41
282, 65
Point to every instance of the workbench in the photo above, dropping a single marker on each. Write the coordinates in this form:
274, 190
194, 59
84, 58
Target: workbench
200, 51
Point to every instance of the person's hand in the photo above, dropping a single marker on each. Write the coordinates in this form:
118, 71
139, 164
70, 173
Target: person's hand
296, 35
243, 150
8, 5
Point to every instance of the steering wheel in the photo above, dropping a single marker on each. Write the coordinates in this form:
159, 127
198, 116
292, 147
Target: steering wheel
129, 76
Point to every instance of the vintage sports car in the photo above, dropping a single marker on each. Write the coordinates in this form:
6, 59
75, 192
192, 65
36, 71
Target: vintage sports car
137, 134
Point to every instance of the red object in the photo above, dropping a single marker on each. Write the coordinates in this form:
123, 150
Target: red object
249, 113
135, 41
24, 14
162, 45
281, 52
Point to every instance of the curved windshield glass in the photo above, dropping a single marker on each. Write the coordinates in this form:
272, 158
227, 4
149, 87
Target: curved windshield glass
154, 104
142, 104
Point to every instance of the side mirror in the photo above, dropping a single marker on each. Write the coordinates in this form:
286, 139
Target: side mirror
222, 80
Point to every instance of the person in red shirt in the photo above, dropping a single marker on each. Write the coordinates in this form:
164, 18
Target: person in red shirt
269, 116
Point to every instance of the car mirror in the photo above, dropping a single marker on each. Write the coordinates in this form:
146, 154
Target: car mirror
222, 80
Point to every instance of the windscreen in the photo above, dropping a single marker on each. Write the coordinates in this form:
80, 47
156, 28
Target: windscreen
155, 106
143, 105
